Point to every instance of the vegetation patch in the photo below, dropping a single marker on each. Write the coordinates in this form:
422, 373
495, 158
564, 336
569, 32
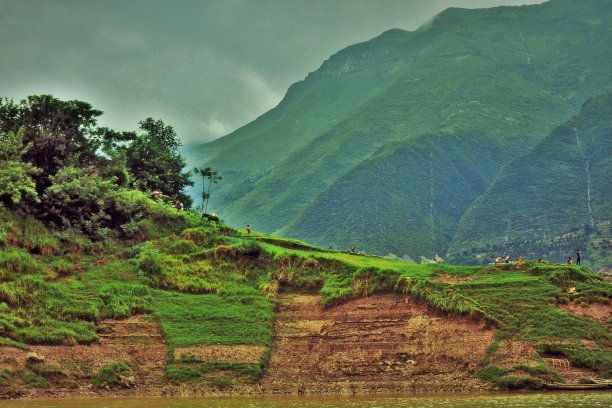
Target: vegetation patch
115, 373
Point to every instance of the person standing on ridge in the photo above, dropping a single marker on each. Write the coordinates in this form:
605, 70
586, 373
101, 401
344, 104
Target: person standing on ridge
248, 229
577, 257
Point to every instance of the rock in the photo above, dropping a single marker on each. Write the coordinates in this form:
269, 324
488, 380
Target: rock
127, 381
33, 357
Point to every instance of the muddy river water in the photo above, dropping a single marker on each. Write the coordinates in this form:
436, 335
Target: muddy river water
557, 400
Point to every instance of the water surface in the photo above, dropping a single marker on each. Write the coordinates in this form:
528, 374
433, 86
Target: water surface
549, 399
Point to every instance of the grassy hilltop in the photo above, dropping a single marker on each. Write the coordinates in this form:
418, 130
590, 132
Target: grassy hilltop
208, 284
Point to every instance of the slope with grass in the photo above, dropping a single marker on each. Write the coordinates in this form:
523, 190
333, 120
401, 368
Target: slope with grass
552, 201
369, 145
86, 310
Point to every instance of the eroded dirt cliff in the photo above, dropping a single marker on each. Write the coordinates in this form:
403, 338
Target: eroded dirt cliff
373, 344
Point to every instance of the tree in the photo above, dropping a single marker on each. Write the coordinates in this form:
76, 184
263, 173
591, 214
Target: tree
154, 162
60, 132
78, 200
15, 174
213, 178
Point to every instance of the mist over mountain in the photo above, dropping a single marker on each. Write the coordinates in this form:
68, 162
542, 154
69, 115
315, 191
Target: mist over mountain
389, 144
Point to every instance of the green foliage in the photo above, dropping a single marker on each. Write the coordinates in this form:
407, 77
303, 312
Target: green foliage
599, 360
391, 141
16, 174
10, 342
60, 132
43, 313
16, 260
77, 200
188, 319
121, 300
177, 374
220, 382
7, 378
154, 162
252, 371
551, 201
517, 382
35, 380
109, 374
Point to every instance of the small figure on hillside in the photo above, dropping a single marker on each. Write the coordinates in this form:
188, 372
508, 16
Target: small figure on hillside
570, 260
248, 229
507, 259
520, 259
330, 248
577, 257
178, 205
498, 260
353, 250
156, 195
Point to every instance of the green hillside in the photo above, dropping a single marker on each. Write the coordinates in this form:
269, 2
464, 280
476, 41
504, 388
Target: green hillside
366, 151
552, 201
214, 285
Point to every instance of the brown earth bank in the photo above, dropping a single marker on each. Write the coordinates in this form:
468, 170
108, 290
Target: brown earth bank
598, 311
382, 343
373, 344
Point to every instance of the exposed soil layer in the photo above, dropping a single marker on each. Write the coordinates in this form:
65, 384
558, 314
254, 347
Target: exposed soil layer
136, 341
223, 353
374, 344
597, 311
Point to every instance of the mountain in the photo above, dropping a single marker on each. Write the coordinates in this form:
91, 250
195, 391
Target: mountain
552, 201
387, 145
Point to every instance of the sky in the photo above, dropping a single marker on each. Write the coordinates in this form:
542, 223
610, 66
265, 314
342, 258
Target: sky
205, 67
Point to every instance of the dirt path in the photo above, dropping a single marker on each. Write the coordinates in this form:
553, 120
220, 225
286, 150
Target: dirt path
374, 344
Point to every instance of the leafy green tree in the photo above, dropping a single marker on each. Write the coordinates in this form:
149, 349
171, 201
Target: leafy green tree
154, 162
213, 178
60, 132
78, 200
15, 174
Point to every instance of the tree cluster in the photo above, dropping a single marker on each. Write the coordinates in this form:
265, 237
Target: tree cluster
59, 166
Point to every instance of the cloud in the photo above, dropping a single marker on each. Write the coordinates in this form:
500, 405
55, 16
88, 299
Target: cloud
217, 128
261, 92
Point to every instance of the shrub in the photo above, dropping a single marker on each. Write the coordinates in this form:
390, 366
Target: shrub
111, 374
181, 246
77, 200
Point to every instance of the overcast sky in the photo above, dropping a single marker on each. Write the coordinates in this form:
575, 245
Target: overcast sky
206, 67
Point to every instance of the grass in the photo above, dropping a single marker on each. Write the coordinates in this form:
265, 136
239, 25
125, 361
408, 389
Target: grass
212, 285
109, 375
188, 319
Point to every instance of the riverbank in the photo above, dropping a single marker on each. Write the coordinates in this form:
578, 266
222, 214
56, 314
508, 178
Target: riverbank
206, 310
372, 345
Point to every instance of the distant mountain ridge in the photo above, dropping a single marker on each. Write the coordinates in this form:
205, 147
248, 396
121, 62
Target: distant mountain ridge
552, 201
387, 146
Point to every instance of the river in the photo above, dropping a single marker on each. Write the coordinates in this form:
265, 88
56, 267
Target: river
531, 400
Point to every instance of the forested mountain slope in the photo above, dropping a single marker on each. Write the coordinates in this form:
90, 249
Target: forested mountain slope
552, 201
387, 145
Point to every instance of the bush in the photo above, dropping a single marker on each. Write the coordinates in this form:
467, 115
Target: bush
181, 246
201, 236
77, 200
113, 373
